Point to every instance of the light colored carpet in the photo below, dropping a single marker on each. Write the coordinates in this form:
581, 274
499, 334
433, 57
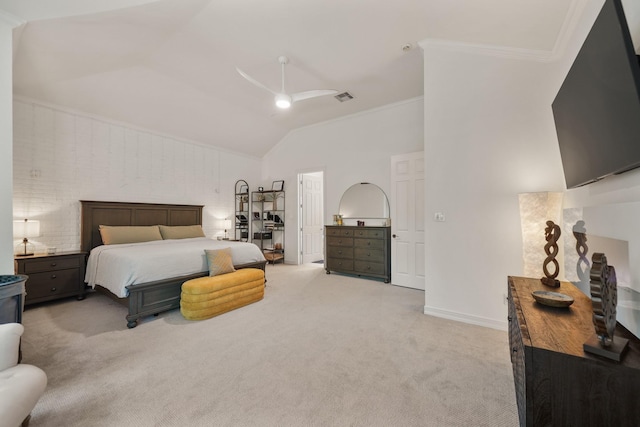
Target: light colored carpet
319, 350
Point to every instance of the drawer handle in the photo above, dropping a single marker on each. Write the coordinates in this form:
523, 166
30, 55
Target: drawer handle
53, 276
53, 289
514, 350
53, 264
509, 318
340, 252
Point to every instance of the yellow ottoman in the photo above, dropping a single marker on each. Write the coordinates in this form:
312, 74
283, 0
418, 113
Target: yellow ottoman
207, 297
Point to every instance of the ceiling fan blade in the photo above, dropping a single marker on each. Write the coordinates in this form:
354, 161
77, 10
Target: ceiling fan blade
312, 94
254, 81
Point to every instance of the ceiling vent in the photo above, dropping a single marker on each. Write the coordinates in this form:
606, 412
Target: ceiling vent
344, 96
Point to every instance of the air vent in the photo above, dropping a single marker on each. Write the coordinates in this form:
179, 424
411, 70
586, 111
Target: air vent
344, 96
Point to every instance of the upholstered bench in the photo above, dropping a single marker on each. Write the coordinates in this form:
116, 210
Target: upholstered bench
207, 297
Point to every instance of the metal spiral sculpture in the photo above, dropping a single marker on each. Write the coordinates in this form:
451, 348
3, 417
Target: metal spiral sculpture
604, 296
552, 234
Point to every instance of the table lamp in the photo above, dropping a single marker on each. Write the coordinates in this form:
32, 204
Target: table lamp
23, 229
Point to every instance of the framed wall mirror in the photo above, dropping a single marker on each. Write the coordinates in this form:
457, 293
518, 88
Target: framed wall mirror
364, 200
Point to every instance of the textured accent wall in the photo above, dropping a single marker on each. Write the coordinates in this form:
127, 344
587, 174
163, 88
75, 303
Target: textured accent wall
61, 158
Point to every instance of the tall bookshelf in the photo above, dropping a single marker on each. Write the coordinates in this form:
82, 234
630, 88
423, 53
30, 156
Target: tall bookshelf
267, 223
242, 205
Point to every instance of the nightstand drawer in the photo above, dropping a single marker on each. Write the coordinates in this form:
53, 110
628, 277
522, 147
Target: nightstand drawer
52, 284
50, 264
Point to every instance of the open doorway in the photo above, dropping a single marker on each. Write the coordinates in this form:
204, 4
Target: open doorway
311, 233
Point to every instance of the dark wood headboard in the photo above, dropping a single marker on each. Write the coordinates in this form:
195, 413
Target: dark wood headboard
94, 214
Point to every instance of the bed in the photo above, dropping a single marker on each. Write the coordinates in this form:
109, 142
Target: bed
151, 291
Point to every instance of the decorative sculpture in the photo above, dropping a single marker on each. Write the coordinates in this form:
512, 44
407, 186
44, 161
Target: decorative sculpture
604, 297
552, 234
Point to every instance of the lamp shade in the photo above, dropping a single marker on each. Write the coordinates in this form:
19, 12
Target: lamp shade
535, 210
26, 228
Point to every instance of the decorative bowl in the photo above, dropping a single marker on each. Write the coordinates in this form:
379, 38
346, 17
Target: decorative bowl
552, 299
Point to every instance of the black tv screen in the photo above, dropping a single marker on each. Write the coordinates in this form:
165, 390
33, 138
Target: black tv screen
597, 109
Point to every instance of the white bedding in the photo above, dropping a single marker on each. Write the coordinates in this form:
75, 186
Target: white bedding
115, 267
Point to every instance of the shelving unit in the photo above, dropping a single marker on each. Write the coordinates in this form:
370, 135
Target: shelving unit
267, 223
242, 224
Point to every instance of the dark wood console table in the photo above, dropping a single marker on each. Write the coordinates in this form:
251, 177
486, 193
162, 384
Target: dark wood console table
556, 382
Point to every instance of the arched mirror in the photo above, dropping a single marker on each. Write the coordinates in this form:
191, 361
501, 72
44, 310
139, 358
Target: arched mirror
364, 200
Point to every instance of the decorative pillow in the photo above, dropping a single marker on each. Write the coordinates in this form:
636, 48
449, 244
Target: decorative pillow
219, 261
181, 231
113, 235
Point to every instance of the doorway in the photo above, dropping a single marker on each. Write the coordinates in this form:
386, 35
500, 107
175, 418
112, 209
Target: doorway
311, 233
408, 220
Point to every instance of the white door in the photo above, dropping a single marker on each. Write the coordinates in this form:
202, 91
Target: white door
407, 220
312, 209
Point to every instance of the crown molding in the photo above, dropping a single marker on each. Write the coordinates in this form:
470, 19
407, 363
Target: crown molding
567, 29
488, 50
11, 20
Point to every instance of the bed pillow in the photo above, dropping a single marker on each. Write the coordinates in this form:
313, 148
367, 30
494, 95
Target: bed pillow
219, 261
181, 231
113, 235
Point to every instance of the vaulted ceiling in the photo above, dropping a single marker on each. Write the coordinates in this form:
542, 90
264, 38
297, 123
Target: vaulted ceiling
170, 65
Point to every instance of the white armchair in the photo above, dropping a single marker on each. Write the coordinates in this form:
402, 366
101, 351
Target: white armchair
21, 385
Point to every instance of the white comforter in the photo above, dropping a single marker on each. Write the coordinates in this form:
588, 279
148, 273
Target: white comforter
117, 266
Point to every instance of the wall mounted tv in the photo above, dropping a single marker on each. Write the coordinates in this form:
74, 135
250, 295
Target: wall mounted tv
597, 109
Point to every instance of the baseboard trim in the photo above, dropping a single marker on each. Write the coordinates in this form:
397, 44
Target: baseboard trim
465, 318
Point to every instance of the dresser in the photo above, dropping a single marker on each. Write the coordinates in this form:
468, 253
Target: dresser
556, 382
52, 276
363, 251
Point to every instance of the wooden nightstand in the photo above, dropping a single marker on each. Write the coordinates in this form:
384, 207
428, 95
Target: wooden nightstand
53, 276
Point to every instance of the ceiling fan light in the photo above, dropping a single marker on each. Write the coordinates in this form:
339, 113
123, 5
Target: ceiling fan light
283, 101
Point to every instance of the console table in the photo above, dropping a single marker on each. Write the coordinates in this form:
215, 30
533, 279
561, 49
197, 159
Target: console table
556, 382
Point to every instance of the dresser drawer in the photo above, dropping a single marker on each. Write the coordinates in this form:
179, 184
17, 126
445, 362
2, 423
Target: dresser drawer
50, 264
371, 255
339, 252
338, 231
340, 241
366, 267
52, 284
369, 233
369, 243
338, 264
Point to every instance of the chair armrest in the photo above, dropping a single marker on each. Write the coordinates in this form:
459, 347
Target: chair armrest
10, 334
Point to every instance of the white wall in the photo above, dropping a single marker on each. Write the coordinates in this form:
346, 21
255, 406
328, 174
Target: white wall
489, 135
349, 150
6, 136
61, 157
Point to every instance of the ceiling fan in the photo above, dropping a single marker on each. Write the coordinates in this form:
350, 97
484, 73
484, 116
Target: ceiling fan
283, 99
